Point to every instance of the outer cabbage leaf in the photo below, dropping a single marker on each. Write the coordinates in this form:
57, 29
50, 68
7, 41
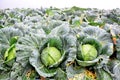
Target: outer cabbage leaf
4, 76
7, 34
79, 73
39, 67
28, 29
103, 75
26, 45
114, 68
48, 25
61, 75
87, 63
60, 30
73, 70
70, 47
116, 71
17, 72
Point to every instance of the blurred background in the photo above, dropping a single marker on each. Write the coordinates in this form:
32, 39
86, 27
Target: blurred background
100, 4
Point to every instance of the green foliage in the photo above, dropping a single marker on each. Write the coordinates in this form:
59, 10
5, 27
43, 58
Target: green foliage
59, 44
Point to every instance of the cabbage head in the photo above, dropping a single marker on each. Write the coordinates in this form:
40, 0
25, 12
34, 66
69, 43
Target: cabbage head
88, 52
50, 55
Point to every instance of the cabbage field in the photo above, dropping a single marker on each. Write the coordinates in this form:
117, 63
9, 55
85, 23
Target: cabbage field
59, 44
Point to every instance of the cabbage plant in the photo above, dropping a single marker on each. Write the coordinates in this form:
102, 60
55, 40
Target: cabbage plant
93, 43
44, 52
8, 39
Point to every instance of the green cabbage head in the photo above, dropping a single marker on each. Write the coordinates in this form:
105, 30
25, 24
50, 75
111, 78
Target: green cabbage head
50, 55
88, 52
